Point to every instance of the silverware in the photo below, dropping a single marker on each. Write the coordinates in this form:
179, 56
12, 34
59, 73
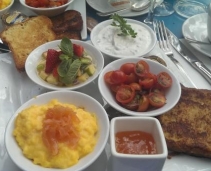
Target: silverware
195, 62
137, 6
164, 44
190, 40
4, 48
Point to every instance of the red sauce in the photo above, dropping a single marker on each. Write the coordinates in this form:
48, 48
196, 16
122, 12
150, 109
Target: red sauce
135, 142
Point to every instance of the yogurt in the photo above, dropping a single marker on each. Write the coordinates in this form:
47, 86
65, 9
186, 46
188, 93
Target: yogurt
110, 42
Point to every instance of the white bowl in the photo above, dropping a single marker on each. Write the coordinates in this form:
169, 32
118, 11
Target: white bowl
50, 12
76, 98
147, 40
35, 56
3, 11
172, 94
138, 162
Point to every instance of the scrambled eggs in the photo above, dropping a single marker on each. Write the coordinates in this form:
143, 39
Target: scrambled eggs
4, 3
28, 134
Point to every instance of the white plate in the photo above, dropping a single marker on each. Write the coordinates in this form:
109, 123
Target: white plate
16, 88
148, 34
35, 56
104, 6
195, 27
79, 5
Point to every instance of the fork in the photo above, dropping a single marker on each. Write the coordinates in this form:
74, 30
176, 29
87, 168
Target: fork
164, 44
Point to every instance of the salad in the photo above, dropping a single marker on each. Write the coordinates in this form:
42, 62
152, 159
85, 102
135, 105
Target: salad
67, 66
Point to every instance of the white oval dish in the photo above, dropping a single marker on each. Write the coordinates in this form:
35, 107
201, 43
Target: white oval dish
35, 56
172, 94
50, 12
72, 97
104, 37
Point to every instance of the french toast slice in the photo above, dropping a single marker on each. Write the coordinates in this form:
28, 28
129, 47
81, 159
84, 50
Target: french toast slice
187, 126
24, 37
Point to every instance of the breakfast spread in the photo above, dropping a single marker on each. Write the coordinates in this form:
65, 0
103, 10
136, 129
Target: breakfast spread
56, 134
136, 88
187, 126
68, 66
135, 142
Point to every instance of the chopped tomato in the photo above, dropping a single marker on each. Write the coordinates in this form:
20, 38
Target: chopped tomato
164, 80
157, 99
107, 78
143, 104
141, 68
131, 78
114, 87
133, 105
136, 86
118, 77
125, 94
128, 68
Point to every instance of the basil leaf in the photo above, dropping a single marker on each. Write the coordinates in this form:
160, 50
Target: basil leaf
71, 74
66, 46
64, 67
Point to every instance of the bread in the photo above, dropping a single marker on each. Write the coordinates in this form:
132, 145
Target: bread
187, 126
24, 37
68, 24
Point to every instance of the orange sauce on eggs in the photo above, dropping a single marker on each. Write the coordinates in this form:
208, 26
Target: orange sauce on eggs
135, 142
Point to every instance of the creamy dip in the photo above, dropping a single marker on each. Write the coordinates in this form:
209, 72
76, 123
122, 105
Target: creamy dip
110, 42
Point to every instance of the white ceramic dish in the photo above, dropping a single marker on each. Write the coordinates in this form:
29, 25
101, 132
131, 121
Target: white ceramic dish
195, 27
172, 94
104, 6
71, 97
120, 50
50, 12
35, 56
2, 11
138, 162
11, 100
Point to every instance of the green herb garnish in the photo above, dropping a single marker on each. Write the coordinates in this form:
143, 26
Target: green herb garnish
125, 28
69, 66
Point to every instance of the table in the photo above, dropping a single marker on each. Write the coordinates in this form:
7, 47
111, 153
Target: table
26, 90
173, 22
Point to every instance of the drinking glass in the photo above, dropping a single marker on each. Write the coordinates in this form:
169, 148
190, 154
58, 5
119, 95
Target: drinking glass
164, 9
188, 8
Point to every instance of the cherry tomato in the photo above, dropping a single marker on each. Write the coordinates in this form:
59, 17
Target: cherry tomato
118, 77
141, 68
157, 99
136, 86
133, 105
157, 90
125, 94
131, 78
164, 80
148, 81
143, 104
114, 87
107, 78
128, 68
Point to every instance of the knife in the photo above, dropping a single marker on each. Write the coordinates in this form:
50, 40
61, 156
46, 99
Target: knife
195, 62
4, 48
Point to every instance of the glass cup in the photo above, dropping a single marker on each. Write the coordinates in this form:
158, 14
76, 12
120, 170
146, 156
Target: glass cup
188, 8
